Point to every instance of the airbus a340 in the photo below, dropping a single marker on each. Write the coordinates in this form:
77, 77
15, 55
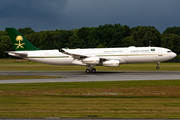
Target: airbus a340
111, 57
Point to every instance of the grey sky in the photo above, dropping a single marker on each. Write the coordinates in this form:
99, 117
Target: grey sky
74, 14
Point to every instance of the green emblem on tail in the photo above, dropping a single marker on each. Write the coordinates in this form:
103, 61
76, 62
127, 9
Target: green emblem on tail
19, 41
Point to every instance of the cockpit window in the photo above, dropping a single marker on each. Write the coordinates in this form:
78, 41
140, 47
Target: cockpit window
169, 51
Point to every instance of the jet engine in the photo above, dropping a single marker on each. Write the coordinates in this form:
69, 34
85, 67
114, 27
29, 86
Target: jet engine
91, 60
111, 63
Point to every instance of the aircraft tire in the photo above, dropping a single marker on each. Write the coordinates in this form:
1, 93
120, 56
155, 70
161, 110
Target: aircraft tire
93, 70
88, 71
157, 67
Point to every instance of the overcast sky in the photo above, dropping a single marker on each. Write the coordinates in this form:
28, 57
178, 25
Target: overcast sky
43, 15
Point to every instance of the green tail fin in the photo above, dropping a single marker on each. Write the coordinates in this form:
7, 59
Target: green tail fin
19, 41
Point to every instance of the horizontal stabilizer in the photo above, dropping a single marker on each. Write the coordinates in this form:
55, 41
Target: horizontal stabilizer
22, 55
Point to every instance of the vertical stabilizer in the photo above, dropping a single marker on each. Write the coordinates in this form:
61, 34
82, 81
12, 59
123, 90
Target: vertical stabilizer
19, 41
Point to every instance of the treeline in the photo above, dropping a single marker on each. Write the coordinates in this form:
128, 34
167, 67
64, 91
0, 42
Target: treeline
97, 37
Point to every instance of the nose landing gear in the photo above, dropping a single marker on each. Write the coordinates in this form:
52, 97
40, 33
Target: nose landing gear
157, 67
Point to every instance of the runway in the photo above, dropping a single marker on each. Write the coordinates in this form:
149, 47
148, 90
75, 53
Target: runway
80, 76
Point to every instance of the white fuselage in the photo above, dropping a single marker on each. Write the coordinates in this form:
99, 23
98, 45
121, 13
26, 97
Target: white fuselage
122, 55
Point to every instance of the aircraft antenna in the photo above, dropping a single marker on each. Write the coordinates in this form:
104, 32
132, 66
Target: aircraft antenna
150, 43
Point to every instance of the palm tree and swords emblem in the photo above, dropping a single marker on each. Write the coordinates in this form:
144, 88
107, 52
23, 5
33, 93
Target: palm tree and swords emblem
19, 38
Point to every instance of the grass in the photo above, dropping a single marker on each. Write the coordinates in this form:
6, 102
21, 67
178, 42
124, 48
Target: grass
119, 99
24, 65
68, 107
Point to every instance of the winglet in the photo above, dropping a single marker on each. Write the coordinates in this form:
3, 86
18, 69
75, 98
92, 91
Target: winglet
19, 41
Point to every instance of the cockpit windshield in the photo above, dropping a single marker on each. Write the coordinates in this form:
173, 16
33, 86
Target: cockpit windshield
169, 51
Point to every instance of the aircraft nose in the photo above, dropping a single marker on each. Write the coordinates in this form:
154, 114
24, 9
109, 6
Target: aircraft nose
174, 54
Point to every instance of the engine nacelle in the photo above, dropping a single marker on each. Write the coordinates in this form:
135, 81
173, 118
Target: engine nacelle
78, 62
111, 63
91, 60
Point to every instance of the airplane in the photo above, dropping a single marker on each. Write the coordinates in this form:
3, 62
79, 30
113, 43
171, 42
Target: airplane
110, 57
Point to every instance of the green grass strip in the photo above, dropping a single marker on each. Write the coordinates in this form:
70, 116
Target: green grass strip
118, 99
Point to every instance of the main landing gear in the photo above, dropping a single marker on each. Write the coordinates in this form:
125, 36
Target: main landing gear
157, 67
90, 69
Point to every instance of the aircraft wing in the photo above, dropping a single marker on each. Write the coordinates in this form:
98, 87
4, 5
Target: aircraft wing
14, 53
81, 56
74, 55
103, 59
82, 59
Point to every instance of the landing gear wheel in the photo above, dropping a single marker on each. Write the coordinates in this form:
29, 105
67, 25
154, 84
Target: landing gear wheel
93, 70
88, 71
157, 67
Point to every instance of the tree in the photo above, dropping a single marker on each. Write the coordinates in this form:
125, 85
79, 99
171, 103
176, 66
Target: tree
127, 31
64, 36
101, 46
137, 39
83, 33
93, 39
26, 30
5, 45
110, 35
171, 41
129, 41
74, 42
175, 30
143, 34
